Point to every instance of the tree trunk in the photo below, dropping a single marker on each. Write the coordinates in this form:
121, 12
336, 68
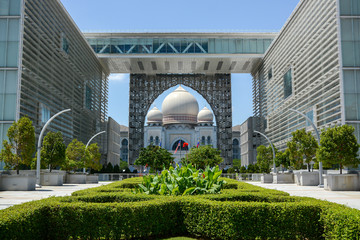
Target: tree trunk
308, 166
340, 168
17, 170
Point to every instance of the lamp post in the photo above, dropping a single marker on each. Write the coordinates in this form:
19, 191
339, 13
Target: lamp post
39, 146
90, 141
318, 140
273, 150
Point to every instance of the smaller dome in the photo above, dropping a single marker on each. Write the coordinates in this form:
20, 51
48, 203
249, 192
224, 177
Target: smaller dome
154, 116
205, 116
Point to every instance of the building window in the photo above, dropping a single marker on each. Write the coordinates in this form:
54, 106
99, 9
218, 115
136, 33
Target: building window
157, 140
88, 97
270, 74
124, 142
236, 149
287, 84
64, 43
202, 140
151, 139
45, 113
310, 115
208, 140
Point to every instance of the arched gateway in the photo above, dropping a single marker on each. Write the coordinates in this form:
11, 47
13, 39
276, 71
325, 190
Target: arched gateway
216, 89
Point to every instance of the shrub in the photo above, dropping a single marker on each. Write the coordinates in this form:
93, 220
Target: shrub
183, 181
244, 212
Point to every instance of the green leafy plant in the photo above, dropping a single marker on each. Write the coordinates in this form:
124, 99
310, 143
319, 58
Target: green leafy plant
338, 146
21, 145
186, 180
53, 150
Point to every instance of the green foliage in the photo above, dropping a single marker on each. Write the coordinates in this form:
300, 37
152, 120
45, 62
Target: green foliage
253, 168
242, 212
92, 157
183, 181
302, 146
283, 159
116, 168
265, 158
237, 163
338, 146
109, 168
75, 156
156, 157
53, 150
21, 145
204, 156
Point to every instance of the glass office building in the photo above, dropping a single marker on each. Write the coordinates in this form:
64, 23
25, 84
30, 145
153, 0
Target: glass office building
46, 66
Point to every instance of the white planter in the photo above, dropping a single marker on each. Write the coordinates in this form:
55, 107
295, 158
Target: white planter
21, 182
283, 178
342, 182
266, 178
256, 177
76, 178
51, 179
307, 178
91, 178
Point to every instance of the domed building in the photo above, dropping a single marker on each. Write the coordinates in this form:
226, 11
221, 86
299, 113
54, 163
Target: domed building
180, 121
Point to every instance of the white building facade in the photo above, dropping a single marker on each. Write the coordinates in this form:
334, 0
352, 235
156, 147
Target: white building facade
179, 122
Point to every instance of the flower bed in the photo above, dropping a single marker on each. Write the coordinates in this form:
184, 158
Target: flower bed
241, 212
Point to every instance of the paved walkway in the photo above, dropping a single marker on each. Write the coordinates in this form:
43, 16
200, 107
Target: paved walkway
348, 198
10, 198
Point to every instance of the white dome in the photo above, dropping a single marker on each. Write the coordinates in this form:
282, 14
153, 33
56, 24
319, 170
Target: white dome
154, 116
205, 116
180, 107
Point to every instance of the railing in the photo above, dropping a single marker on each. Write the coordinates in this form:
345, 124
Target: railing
121, 176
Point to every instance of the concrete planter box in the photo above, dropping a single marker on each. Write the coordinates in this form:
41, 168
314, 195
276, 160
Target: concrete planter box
75, 178
307, 178
92, 178
256, 177
51, 179
342, 182
266, 178
283, 178
21, 182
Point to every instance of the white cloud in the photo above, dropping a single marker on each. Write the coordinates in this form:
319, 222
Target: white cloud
119, 77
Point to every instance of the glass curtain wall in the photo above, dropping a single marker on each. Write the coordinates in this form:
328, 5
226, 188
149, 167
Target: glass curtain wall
350, 44
9, 52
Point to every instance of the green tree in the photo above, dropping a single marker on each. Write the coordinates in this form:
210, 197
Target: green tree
155, 157
338, 145
204, 156
92, 157
53, 150
75, 155
124, 166
253, 168
283, 159
109, 168
236, 163
21, 145
265, 158
302, 146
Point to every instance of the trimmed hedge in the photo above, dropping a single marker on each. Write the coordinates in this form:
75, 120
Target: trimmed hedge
241, 212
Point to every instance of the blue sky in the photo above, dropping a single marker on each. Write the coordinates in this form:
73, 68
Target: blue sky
175, 16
